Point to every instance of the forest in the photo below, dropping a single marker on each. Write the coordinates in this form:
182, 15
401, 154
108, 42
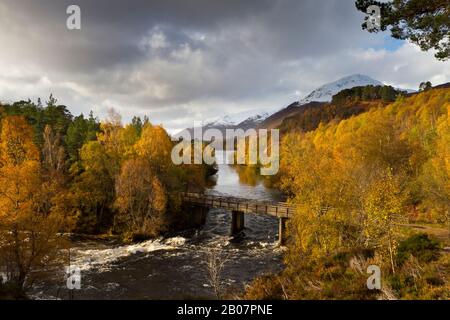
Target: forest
361, 185
369, 173
61, 174
364, 174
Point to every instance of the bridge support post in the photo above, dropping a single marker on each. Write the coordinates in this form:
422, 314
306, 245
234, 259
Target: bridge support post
282, 237
237, 222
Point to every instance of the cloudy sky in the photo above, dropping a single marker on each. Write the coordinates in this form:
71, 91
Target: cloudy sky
183, 60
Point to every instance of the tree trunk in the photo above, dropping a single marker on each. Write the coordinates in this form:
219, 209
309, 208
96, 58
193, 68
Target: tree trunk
391, 250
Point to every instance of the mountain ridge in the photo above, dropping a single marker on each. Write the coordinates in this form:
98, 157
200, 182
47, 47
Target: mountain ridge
264, 120
325, 92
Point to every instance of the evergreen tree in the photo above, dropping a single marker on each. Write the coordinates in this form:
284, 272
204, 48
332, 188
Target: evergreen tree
425, 23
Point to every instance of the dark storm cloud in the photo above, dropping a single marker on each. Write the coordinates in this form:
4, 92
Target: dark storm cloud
177, 60
111, 29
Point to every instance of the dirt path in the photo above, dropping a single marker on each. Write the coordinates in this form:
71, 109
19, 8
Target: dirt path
436, 232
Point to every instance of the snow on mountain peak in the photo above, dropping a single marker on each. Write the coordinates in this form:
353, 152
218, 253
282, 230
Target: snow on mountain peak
327, 91
257, 118
225, 121
237, 119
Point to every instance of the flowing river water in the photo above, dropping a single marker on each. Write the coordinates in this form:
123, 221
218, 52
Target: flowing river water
175, 267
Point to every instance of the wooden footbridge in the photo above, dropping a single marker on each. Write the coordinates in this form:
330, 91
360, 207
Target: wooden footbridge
240, 206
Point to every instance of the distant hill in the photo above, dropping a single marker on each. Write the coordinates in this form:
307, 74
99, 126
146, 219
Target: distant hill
345, 104
318, 97
340, 106
306, 107
231, 122
328, 90
276, 119
263, 120
309, 118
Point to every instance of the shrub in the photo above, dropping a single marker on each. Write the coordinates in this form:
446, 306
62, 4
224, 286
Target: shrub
419, 246
11, 291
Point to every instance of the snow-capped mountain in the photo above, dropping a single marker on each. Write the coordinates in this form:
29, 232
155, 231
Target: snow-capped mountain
224, 121
318, 97
239, 119
233, 121
327, 91
253, 121
321, 95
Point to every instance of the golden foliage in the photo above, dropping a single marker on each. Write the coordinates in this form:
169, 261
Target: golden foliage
353, 180
141, 199
16, 142
28, 232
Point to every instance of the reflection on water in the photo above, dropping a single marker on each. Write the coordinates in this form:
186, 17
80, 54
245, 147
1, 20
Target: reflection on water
175, 268
243, 182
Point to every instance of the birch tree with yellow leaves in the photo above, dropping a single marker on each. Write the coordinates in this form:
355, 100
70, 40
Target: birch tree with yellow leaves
28, 232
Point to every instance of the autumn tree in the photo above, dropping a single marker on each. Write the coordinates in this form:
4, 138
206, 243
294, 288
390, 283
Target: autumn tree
384, 206
81, 164
355, 184
92, 193
141, 200
28, 231
144, 185
436, 173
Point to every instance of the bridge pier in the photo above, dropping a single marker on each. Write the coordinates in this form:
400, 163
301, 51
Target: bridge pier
197, 217
241, 206
237, 222
282, 237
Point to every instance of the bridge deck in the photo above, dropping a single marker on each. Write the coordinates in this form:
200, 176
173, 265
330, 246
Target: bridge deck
276, 209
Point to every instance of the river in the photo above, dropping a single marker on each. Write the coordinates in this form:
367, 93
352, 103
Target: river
175, 268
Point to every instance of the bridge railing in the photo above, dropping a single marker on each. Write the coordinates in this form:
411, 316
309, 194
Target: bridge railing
276, 209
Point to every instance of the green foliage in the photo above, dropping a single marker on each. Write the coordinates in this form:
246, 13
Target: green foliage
424, 86
54, 115
74, 132
367, 93
138, 124
425, 23
79, 132
419, 246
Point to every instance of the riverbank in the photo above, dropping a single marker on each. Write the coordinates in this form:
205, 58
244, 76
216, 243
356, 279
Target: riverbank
175, 266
